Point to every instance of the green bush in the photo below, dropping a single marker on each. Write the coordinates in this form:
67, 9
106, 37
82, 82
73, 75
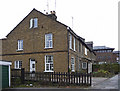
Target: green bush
105, 69
101, 73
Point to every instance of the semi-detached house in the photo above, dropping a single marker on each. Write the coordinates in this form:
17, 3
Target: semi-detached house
40, 43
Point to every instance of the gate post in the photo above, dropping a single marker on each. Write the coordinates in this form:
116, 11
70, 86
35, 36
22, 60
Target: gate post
90, 79
22, 75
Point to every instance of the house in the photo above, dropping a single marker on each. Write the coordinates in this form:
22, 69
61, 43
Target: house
103, 54
41, 43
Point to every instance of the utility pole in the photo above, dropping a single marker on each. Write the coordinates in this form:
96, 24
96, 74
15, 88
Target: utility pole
72, 22
47, 5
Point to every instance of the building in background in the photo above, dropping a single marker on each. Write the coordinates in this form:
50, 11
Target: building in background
116, 56
104, 54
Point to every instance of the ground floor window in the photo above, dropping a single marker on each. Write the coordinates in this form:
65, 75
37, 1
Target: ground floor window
48, 63
18, 64
72, 64
84, 65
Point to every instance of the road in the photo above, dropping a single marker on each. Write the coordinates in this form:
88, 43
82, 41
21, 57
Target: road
111, 83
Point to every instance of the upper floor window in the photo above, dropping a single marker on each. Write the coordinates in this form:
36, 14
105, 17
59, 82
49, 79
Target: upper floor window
85, 51
84, 65
48, 41
20, 44
70, 41
74, 45
18, 64
34, 23
72, 64
48, 63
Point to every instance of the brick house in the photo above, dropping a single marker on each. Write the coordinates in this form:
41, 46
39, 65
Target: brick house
41, 43
104, 54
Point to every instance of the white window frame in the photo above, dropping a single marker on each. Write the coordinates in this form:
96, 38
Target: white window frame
83, 65
17, 64
33, 23
85, 51
20, 44
49, 42
73, 65
74, 44
70, 43
48, 64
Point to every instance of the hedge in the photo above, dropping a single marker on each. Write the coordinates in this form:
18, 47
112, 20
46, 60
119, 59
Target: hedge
112, 68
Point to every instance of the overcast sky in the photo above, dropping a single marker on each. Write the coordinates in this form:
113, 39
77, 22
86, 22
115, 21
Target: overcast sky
94, 20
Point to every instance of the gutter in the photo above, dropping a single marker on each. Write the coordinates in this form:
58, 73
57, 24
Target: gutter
68, 47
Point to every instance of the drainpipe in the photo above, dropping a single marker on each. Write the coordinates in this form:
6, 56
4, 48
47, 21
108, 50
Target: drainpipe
68, 46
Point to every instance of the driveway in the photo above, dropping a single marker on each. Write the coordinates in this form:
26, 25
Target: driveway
104, 83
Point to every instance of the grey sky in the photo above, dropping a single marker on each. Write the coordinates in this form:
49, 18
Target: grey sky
94, 20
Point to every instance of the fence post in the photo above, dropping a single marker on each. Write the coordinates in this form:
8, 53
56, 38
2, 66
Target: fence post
90, 79
22, 75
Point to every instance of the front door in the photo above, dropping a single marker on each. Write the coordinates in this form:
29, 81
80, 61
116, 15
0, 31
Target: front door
89, 67
32, 65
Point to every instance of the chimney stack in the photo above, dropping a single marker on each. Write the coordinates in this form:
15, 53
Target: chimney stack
52, 15
90, 44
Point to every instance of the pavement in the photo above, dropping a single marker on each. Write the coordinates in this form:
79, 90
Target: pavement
104, 83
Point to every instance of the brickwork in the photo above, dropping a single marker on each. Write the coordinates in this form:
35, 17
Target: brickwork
34, 44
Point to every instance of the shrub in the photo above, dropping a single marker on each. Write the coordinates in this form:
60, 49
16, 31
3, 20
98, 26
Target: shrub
101, 73
112, 68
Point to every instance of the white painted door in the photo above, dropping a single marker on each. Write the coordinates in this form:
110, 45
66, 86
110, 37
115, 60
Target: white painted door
32, 65
89, 67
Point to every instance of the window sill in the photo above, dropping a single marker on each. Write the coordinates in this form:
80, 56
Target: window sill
84, 68
74, 50
48, 71
18, 68
19, 50
48, 48
73, 71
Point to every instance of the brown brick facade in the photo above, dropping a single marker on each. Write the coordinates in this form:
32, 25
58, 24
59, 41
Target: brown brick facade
34, 44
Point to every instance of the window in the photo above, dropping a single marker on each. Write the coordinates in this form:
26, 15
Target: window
85, 51
74, 45
101, 62
31, 23
48, 63
72, 64
84, 65
20, 44
70, 41
34, 23
117, 58
48, 41
18, 64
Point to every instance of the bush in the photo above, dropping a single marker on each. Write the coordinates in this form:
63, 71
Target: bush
104, 70
101, 73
